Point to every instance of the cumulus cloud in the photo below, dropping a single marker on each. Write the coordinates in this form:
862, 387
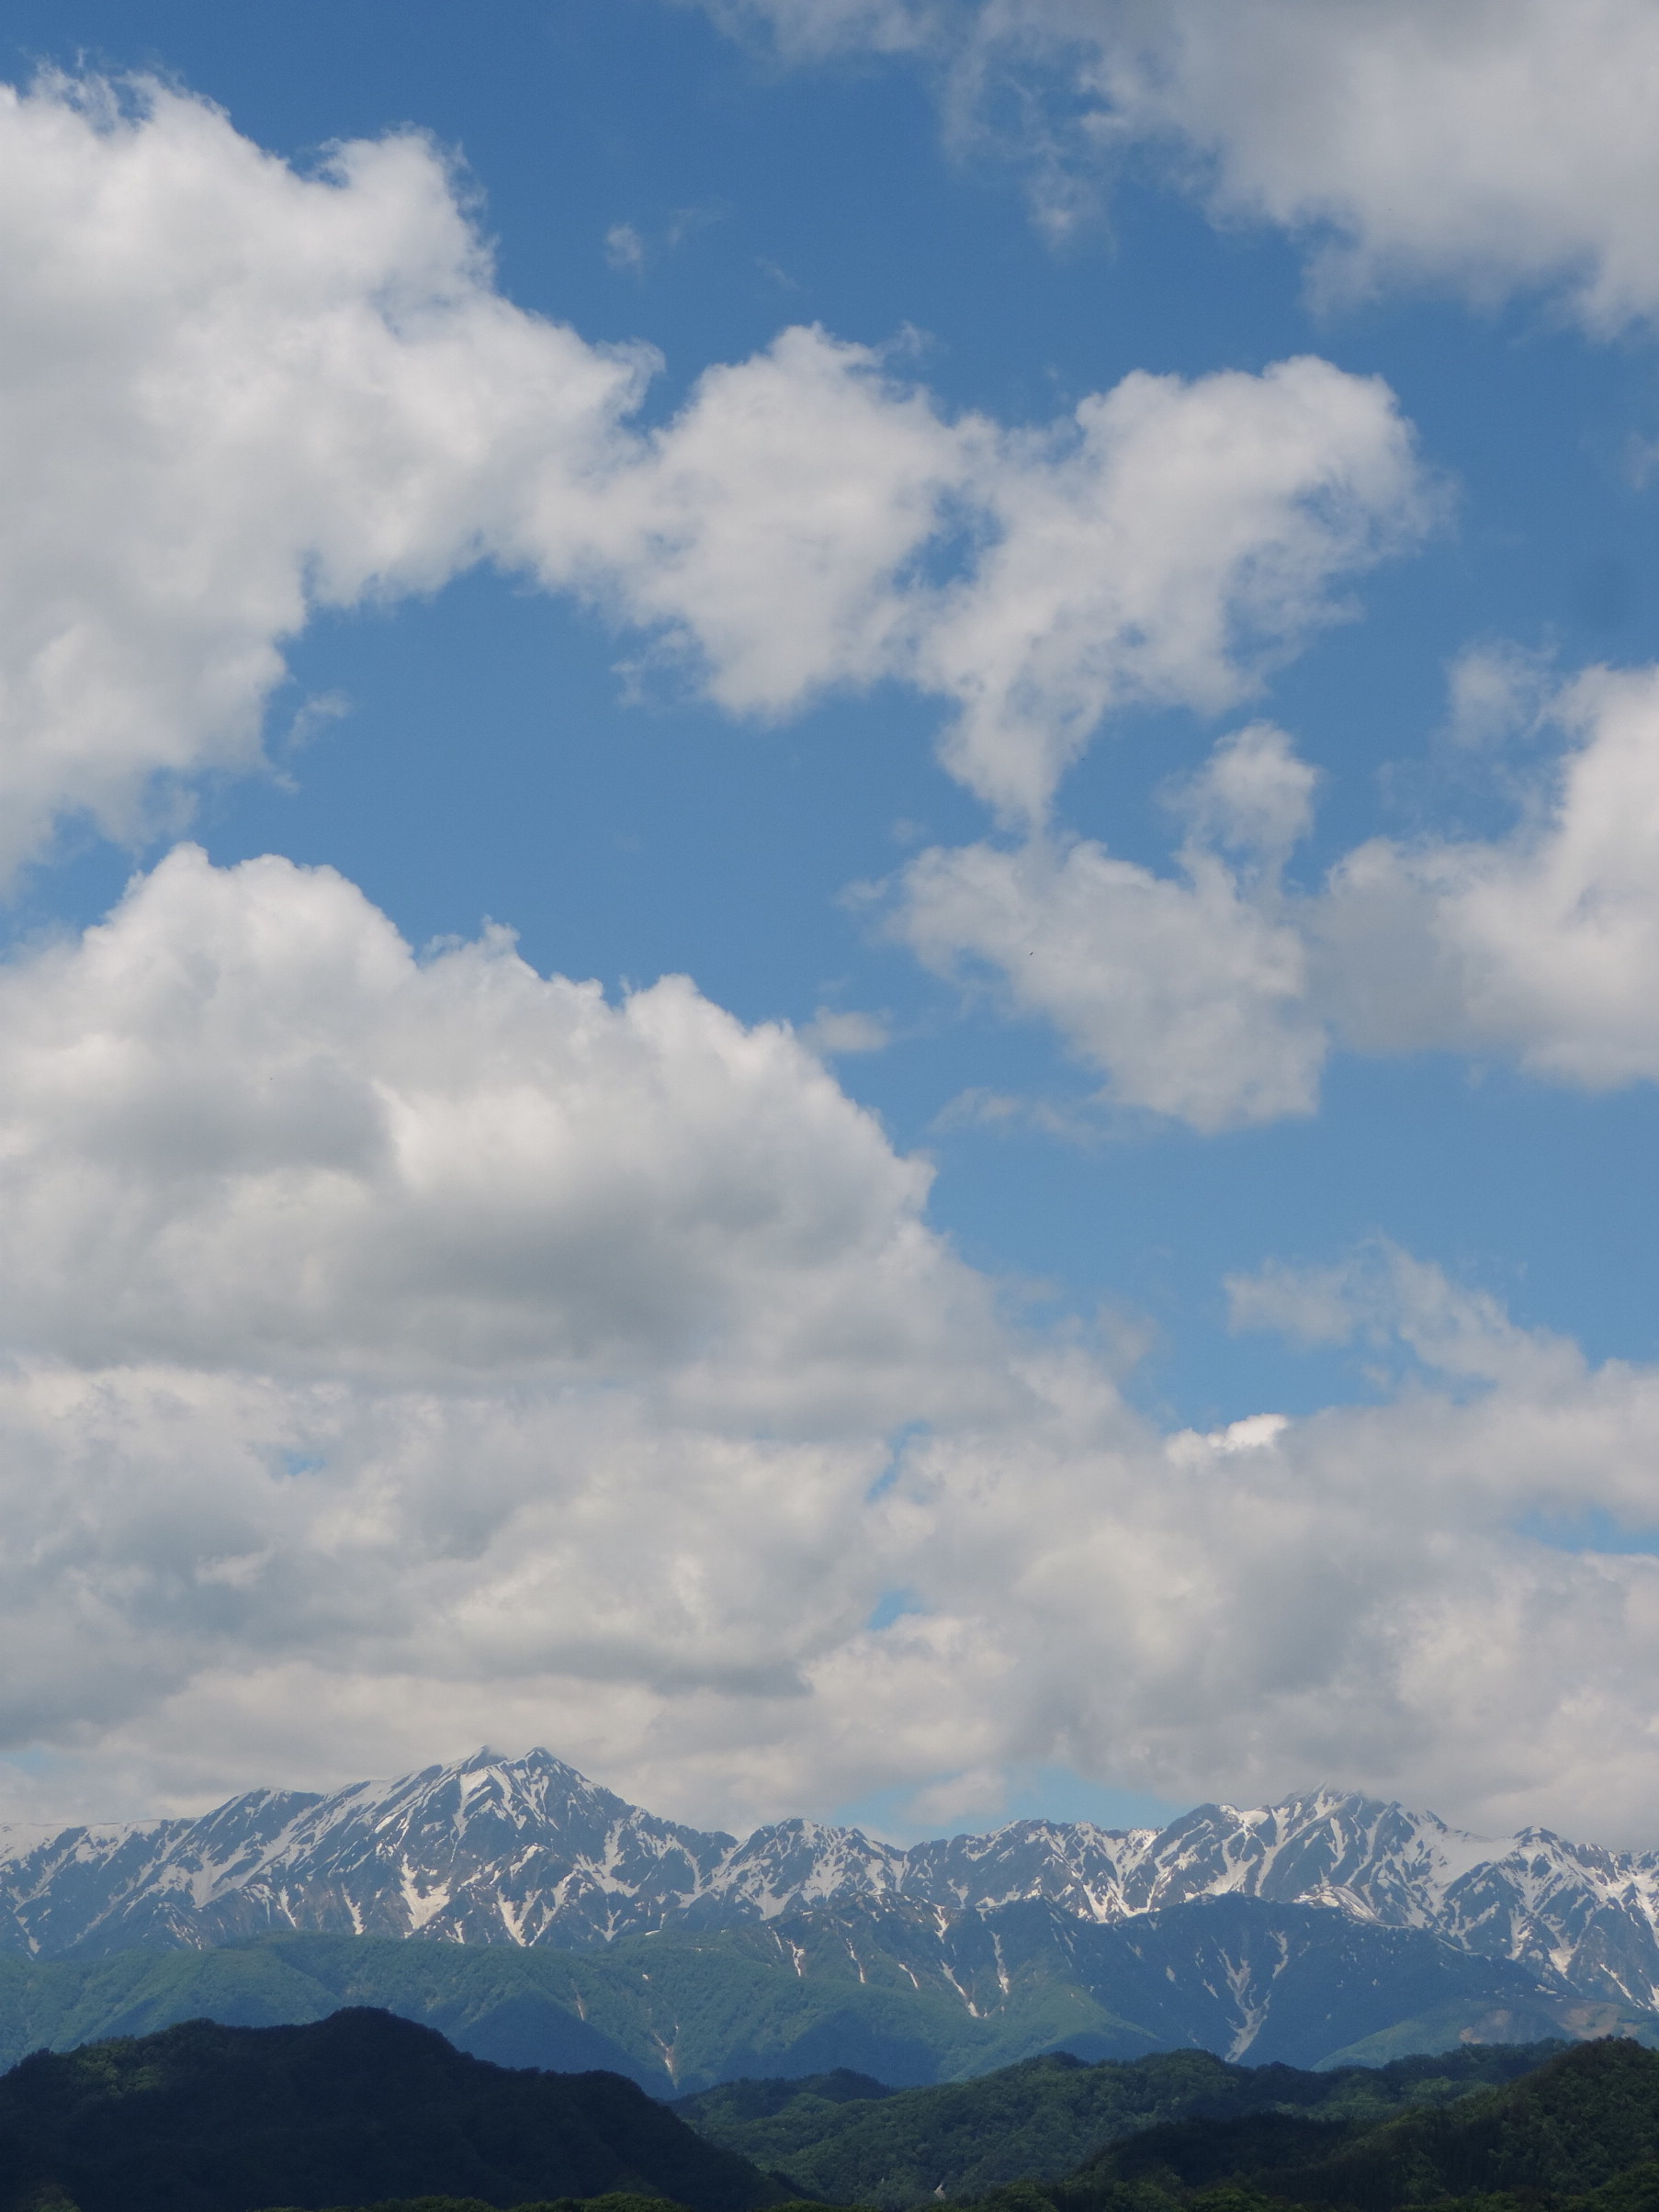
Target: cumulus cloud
1163, 544
1352, 1584
241, 1124
1183, 535
404, 1351
1214, 994
1190, 993
1543, 945
1488, 145
371, 1314
229, 394
1494, 144
400, 1351
233, 393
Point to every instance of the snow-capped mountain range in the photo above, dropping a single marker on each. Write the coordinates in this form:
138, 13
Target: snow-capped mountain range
528, 1852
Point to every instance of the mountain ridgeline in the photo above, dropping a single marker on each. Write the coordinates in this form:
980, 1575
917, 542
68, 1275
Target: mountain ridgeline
560, 1926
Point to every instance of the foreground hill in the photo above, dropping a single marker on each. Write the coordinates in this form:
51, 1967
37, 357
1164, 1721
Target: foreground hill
358, 2107
1578, 2134
1581, 2129
850, 2141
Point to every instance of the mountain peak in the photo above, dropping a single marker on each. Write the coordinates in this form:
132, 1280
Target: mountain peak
526, 1850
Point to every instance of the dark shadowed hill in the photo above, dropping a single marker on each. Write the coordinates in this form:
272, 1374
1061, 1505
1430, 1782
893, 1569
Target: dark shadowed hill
851, 2140
352, 2109
1585, 2121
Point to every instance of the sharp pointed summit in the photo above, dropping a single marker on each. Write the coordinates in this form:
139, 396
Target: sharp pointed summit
527, 1851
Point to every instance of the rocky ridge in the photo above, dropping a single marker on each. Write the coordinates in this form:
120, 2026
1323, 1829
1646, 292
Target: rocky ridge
529, 1852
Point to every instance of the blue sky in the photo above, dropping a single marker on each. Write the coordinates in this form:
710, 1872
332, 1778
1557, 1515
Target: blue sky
594, 1329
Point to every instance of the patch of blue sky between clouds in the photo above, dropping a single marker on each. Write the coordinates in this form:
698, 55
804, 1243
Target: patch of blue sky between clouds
1594, 1529
901, 1440
1035, 1793
891, 1606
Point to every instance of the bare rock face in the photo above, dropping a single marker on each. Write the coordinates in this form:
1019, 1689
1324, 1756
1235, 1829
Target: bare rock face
527, 1851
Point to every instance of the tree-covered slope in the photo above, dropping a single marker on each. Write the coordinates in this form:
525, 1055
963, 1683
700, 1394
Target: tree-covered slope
1583, 2126
853, 2141
365, 2110
889, 1993
356, 2108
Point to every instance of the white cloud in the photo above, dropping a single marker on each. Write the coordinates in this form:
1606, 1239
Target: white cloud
1383, 1295
1190, 993
835, 1030
229, 394
383, 1318
1165, 544
1214, 995
1342, 1592
1498, 691
1183, 536
242, 1125
1543, 945
232, 394
1492, 145
404, 1353
1497, 143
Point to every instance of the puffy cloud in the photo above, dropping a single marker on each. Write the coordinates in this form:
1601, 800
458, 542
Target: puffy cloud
1346, 1596
1494, 144
242, 1125
408, 1352
1163, 544
388, 1318
1184, 534
1489, 145
772, 529
1347, 1592
1214, 995
1543, 944
401, 1351
239, 1531
232, 393
1190, 993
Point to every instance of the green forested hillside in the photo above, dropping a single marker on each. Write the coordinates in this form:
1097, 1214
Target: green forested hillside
1581, 2130
366, 2112
356, 2108
674, 2012
850, 2141
684, 2009
614, 2200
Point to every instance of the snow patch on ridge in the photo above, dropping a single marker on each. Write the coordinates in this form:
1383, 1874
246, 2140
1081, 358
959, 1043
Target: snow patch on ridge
528, 1851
